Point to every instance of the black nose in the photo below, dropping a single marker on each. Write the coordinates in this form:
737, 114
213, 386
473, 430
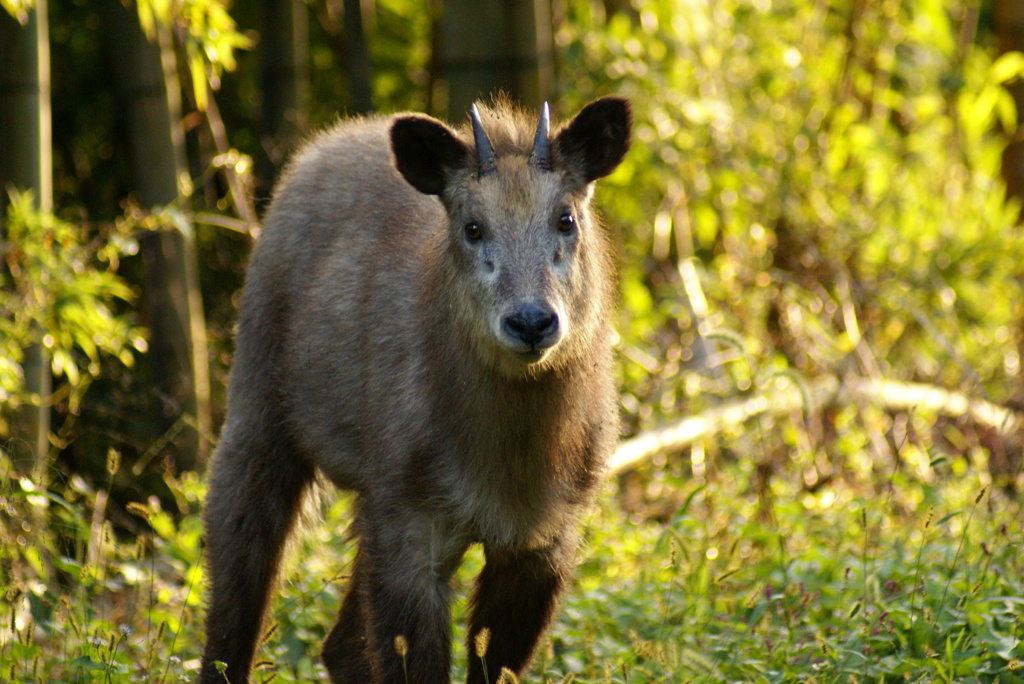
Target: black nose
532, 324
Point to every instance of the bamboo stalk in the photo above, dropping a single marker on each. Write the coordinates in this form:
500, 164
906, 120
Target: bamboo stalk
26, 164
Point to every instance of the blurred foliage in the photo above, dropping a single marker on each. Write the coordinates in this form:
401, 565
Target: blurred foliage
205, 31
18, 9
814, 188
85, 605
399, 38
831, 591
60, 289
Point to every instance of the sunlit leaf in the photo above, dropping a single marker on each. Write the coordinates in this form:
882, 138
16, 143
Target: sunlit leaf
1007, 67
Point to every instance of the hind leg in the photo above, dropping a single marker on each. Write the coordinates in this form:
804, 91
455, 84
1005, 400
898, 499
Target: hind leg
345, 649
254, 497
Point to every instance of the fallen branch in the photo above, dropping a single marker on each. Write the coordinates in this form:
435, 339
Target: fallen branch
787, 397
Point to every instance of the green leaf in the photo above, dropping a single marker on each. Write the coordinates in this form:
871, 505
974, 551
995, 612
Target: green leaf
86, 662
947, 517
1007, 67
197, 67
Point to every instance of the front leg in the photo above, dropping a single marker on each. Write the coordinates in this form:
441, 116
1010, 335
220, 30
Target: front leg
516, 597
408, 559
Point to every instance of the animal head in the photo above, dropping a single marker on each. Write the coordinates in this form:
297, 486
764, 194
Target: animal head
526, 263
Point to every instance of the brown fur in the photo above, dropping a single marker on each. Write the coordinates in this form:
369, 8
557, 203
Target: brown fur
461, 387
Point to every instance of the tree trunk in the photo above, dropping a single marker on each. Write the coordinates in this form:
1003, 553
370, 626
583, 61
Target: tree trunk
1009, 26
150, 93
357, 55
489, 46
284, 79
26, 164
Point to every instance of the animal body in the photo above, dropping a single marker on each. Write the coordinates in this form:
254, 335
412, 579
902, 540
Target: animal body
425, 321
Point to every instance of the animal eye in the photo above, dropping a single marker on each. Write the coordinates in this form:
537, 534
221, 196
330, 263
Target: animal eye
566, 222
473, 231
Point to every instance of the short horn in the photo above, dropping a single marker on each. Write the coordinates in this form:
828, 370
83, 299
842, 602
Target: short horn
541, 157
484, 152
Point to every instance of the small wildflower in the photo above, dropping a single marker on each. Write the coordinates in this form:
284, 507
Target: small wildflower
640, 647
481, 641
752, 599
402, 648
507, 676
269, 634
28, 634
660, 657
139, 509
113, 461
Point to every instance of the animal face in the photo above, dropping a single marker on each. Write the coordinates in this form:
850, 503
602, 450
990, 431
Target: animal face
521, 237
515, 235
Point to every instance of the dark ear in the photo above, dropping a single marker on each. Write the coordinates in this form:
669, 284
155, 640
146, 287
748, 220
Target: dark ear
594, 143
426, 152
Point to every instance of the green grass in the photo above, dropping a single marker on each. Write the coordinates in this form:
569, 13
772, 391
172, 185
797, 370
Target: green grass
911, 581
845, 593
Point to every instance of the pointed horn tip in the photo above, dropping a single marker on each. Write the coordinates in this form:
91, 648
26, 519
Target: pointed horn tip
541, 156
484, 151
474, 118
545, 119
